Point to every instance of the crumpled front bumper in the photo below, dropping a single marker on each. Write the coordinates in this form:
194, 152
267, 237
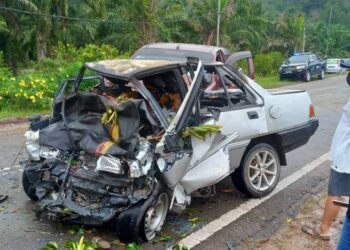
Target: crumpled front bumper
88, 198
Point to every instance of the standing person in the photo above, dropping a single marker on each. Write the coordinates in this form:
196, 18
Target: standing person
339, 180
344, 240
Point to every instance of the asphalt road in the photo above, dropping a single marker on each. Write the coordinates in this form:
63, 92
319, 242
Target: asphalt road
20, 229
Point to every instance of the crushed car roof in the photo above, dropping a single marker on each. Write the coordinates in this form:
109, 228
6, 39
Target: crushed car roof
126, 68
184, 46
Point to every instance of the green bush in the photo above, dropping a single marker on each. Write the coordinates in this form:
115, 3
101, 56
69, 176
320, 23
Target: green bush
48, 65
268, 64
88, 53
4, 71
34, 89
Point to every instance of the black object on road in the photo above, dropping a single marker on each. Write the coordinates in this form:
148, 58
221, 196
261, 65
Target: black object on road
3, 198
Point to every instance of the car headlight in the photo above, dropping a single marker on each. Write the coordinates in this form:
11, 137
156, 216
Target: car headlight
33, 151
32, 146
109, 164
47, 152
32, 136
300, 67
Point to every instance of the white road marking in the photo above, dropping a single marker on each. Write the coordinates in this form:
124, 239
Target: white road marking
211, 228
13, 168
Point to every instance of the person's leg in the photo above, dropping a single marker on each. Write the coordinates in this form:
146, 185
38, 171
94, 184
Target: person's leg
344, 240
329, 214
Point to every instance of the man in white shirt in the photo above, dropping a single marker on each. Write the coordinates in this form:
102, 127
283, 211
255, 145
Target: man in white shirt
339, 180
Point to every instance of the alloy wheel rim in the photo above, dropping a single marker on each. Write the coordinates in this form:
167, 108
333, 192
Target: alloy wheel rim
262, 170
155, 216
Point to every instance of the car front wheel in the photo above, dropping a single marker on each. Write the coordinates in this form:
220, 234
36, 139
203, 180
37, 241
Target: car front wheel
29, 186
155, 216
307, 76
259, 172
142, 221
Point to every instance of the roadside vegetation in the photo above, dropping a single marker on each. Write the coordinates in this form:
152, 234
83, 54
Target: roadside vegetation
45, 42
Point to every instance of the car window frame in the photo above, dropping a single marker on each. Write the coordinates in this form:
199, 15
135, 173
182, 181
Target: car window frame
242, 85
315, 58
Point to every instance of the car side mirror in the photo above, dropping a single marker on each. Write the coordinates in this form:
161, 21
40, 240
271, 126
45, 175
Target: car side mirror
311, 61
215, 112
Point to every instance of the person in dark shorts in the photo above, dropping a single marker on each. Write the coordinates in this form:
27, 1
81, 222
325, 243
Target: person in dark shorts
339, 180
344, 240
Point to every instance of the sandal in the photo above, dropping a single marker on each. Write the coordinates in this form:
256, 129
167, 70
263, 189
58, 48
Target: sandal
312, 231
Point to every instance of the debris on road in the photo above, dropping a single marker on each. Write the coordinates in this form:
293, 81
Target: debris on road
229, 245
3, 198
291, 236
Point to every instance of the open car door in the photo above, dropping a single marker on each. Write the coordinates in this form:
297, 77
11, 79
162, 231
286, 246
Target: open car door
242, 55
187, 167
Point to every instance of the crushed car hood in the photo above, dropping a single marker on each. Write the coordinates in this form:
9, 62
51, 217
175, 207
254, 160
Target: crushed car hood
83, 115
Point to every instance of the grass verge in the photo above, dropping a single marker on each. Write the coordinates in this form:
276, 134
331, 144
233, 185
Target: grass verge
20, 113
270, 82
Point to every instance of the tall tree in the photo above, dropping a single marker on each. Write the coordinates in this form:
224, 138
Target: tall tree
247, 27
204, 17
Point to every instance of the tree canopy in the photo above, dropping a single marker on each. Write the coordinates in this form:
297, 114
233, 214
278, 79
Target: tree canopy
32, 29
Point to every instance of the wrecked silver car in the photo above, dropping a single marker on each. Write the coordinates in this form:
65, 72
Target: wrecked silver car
127, 140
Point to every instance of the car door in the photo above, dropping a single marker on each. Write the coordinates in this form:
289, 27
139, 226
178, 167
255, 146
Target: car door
239, 56
226, 103
315, 65
190, 164
173, 154
241, 110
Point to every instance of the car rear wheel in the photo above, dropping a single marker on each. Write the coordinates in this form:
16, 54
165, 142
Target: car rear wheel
144, 220
307, 76
259, 172
322, 75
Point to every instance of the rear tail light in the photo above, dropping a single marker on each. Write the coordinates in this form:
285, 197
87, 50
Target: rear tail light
312, 111
338, 62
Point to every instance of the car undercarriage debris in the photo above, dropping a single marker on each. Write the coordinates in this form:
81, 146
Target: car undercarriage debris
102, 179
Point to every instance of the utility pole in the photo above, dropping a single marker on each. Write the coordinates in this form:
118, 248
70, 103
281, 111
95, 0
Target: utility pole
329, 22
218, 25
304, 38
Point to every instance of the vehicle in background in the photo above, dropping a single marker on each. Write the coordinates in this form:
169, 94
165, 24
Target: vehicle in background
181, 51
345, 63
303, 66
333, 66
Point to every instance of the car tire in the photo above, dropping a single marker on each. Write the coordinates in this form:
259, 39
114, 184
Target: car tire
307, 76
259, 172
322, 75
142, 221
29, 187
281, 78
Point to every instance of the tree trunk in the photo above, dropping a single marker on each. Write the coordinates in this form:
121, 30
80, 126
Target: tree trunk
41, 47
